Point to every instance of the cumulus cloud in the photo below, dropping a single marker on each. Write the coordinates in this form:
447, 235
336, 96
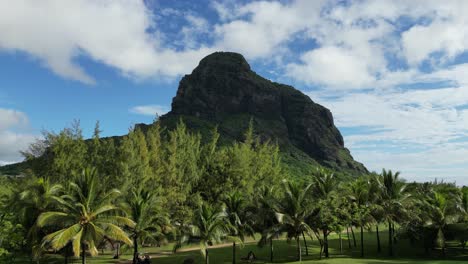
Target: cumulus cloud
332, 66
422, 132
11, 118
151, 110
116, 33
13, 139
447, 33
268, 27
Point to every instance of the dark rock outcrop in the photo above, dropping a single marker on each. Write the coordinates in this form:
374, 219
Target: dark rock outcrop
223, 86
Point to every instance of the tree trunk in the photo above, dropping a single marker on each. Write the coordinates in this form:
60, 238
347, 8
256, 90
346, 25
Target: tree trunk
354, 237
117, 251
83, 254
271, 250
390, 239
379, 249
317, 235
442, 238
67, 251
135, 250
305, 244
325, 243
207, 259
233, 252
349, 239
341, 242
362, 242
299, 252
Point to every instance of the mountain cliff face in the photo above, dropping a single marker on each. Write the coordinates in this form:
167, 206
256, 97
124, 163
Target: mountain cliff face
222, 90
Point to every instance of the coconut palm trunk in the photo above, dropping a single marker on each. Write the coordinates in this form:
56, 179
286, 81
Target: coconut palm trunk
67, 253
354, 237
271, 250
349, 239
390, 239
135, 250
379, 249
325, 243
305, 244
117, 250
233, 252
83, 254
362, 242
299, 252
207, 258
341, 242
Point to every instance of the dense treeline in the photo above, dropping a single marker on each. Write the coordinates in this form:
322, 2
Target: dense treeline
173, 186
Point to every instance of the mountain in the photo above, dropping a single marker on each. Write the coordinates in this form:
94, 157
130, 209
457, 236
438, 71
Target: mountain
223, 90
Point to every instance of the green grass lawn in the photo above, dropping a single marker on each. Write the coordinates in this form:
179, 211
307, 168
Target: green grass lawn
285, 253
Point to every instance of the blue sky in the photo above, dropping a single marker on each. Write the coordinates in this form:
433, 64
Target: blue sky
392, 72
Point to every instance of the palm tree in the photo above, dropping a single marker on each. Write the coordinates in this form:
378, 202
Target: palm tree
376, 202
442, 212
265, 217
209, 227
150, 223
239, 218
86, 216
394, 196
360, 195
292, 212
38, 196
324, 185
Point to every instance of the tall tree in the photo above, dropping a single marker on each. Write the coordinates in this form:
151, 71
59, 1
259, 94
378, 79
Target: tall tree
94, 151
69, 151
182, 171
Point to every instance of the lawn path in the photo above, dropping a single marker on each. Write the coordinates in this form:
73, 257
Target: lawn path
168, 253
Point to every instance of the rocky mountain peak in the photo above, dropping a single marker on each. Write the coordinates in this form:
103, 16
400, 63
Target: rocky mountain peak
223, 90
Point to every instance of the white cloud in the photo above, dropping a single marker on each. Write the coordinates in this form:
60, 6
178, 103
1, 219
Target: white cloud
111, 32
269, 26
447, 33
444, 161
11, 118
12, 136
332, 66
151, 110
422, 132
